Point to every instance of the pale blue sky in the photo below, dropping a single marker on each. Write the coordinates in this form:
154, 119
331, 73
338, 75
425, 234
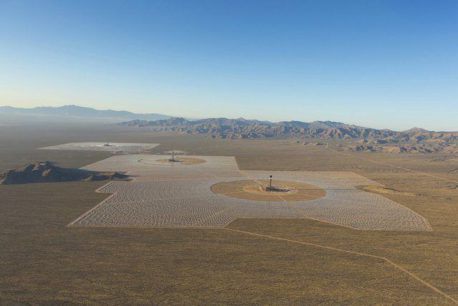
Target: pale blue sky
384, 64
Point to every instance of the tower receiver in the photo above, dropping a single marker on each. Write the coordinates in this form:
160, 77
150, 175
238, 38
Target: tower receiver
173, 159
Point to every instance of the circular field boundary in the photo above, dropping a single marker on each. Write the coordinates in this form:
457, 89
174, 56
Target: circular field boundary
257, 190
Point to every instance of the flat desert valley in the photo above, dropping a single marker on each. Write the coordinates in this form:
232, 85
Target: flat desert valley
341, 227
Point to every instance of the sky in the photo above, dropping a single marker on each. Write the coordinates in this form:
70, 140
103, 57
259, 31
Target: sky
382, 64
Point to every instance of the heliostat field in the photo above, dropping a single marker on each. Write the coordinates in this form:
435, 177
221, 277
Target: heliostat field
175, 194
114, 147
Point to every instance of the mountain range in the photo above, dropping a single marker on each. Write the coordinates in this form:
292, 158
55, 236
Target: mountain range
350, 137
347, 137
79, 112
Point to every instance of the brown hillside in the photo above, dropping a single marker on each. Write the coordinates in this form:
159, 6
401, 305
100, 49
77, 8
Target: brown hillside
41, 172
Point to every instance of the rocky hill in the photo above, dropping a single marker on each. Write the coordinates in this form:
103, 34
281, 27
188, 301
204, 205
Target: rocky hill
43, 172
352, 137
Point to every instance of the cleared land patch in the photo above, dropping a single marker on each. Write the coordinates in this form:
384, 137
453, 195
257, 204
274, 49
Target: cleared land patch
164, 195
257, 190
115, 147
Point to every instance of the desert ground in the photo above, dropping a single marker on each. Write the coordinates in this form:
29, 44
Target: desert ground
250, 260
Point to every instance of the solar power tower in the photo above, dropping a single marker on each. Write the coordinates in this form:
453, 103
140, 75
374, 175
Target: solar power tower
173, 157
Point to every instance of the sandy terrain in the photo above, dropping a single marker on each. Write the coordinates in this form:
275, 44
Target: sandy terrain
179, 195
44, 262
114, 147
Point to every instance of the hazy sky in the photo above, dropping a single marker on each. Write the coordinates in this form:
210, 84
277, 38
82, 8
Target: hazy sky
384, 64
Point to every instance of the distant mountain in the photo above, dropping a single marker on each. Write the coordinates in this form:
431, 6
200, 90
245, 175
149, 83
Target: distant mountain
352, 137
79, 111
243, 128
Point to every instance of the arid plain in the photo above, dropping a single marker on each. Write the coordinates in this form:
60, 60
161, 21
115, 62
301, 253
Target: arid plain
250, 260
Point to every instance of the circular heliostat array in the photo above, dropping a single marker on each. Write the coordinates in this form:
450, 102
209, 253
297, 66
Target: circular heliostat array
260, 190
